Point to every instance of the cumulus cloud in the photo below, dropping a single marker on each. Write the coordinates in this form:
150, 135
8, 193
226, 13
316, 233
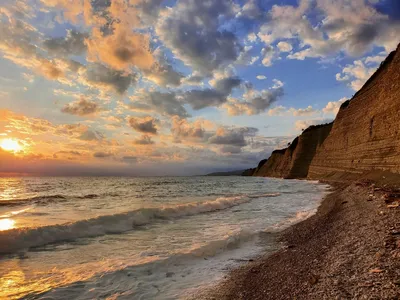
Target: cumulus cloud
255, 102
252, 37
225, 85
182, 129
102, 154
163, 103
121, 50
81, 107
309, 110
228, 140
101, 76
224, 137
232, 137
284, 46
251, 10
245, 57
357, 73
91, 135
350, 26
304, 124
231, 149
72, 9
222, 87
192, 31
72, 44
143, 140
164, 75
161, 71
269, 55
277, 111
333, 106
296, 112
199, 99
144, 125
261, 77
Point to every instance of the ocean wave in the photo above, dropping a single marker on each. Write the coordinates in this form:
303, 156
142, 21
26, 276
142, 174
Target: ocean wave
48, 199
34, 200
300, 216
118, 278
22, 238
267, 195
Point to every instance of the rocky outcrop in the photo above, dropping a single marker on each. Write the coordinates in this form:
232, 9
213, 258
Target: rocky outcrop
294, 161
364, 137
248, 172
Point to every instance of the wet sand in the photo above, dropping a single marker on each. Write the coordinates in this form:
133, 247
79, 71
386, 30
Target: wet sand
350, 249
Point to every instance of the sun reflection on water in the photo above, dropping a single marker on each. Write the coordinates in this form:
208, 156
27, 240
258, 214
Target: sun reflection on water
6, 224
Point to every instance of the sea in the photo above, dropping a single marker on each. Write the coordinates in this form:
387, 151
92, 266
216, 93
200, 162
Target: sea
139, 238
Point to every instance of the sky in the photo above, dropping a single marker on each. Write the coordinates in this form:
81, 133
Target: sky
153, 87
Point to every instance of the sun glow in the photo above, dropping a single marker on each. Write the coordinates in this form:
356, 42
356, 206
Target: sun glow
6, 224
10, 145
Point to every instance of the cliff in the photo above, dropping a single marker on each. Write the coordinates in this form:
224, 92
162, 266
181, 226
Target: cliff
366, 132
364, 137
294, 161
248, 172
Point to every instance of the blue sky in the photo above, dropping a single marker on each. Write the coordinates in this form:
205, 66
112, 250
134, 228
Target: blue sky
128, 87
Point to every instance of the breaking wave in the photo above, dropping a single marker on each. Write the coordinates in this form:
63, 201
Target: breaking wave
21, 238
44, 200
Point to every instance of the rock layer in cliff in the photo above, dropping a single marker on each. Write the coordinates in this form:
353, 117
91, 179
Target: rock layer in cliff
364, 137
366, 132
294, 161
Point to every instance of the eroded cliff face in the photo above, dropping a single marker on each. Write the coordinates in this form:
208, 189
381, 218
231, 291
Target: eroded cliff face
365, 135
294, 161
366, 132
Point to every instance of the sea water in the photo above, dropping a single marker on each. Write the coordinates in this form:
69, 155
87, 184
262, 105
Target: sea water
138, 238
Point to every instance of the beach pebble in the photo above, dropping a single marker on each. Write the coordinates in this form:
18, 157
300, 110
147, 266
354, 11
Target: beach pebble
169, 274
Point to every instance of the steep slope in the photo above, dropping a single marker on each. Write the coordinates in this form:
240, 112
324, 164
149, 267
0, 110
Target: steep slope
366, 132
294, 161
364, 137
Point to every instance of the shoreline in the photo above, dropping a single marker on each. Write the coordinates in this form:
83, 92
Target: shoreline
350, 249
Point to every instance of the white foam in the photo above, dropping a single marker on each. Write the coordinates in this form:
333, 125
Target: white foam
21, 238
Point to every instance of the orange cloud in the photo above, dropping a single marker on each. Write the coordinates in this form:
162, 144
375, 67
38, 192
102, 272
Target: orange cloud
121, 50
72, 9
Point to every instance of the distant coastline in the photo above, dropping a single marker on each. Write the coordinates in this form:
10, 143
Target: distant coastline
247, 172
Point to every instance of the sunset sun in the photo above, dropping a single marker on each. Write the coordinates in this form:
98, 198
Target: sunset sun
10, 145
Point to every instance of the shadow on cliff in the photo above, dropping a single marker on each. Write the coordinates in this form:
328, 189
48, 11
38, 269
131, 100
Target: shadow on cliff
305, 148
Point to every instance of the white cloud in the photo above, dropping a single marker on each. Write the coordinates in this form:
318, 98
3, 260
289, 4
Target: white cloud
284, 46
304, 124
333, 106
191, 30
277, 111
255, 102
309, 110
252, 37
269, 55
353, 27
357, 73
261, 77
296, 112
277, 83
245, 57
